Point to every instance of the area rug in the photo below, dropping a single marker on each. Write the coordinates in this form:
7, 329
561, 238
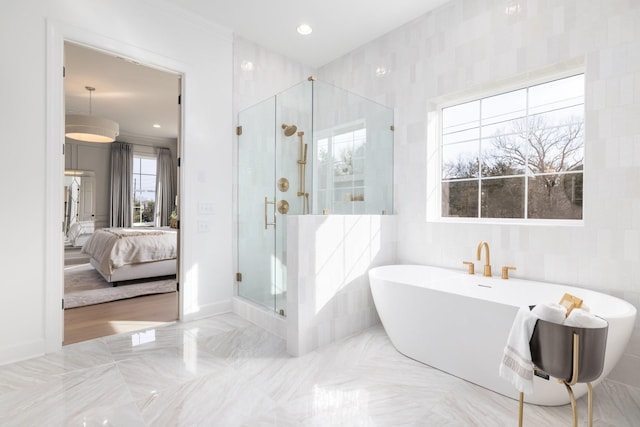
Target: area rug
83, 285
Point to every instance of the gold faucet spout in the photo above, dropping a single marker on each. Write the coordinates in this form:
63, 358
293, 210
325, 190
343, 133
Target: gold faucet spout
487, 262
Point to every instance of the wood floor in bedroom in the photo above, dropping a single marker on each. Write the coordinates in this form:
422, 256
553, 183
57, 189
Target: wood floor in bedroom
99, 320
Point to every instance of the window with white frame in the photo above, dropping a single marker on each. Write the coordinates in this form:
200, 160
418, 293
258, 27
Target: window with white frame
340, 169
518, 154
144, 190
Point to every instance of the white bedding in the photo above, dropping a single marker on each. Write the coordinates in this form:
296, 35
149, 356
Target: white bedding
113, 248
80, 231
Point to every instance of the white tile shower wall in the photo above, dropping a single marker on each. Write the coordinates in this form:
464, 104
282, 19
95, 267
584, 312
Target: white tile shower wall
328, 294
473, 45
260, 73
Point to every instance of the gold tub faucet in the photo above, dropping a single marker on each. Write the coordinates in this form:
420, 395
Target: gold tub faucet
487, 263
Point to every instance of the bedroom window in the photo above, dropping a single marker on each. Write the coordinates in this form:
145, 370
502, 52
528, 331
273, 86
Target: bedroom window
144, 190
516, 154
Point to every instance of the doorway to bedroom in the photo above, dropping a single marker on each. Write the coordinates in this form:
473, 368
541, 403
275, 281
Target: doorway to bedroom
121, 202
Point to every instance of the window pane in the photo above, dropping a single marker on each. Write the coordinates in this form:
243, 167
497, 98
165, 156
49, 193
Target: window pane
504, 107
560, 117
504, 155
556, 94
460, 199
360, 136
144, 189
509, 127
556, 149
461, 117
461, 136
555, 196
503, 198
147, 166
342, 155
148, 183
148, 209
358, 166
460, 160
322, 162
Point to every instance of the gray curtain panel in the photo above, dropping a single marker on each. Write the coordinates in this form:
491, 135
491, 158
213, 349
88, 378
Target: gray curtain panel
165, 187
121, 186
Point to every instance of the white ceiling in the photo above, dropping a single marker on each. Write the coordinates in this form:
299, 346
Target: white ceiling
138, 97
339, 26
135, 96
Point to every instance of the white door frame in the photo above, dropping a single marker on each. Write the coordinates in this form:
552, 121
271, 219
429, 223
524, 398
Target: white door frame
57, 34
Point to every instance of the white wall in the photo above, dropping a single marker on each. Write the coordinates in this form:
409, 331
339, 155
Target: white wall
31, 35
469, 44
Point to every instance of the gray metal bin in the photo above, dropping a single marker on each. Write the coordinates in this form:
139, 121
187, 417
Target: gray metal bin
570, 354
552, 350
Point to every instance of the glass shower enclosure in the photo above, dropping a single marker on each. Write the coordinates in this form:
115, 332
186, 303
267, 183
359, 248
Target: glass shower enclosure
312, 149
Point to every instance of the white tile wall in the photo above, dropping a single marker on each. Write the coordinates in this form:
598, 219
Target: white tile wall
268, 74
469, 45
328, 294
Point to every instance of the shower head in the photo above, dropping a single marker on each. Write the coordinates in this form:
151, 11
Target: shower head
289, 129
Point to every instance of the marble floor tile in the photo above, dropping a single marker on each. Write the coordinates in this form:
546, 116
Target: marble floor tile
147, 375
225, 371
215, 399
166, 341
251, 349
70, 396
102, 416
42, 369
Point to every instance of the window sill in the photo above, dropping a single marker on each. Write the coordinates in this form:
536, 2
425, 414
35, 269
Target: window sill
510, 221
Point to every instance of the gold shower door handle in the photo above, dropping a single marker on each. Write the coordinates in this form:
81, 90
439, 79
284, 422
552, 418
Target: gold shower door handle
266, 221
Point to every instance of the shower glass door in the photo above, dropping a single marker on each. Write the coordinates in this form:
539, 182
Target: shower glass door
273, 171
258, 259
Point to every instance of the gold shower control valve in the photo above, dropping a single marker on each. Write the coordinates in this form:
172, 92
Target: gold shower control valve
283, 184
283, 207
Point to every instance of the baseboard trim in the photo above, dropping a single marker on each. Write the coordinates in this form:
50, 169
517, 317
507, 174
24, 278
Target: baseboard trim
23, 351
208, 310
261, 316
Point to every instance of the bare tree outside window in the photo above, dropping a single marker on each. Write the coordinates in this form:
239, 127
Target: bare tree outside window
516, 155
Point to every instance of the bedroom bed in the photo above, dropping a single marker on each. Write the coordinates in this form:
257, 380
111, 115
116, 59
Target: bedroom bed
79, 233
120, 254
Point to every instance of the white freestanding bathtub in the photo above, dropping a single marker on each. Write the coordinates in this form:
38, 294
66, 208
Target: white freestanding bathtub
459, 323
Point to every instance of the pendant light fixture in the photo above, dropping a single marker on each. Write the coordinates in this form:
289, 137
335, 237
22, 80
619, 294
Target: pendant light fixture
90, 128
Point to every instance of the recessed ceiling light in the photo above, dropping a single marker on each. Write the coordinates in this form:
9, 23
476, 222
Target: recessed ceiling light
304, 29
246, 65
512, 8
382, 71
157, 126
